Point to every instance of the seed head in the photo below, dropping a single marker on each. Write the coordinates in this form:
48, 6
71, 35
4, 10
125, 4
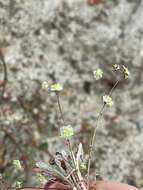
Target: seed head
98, 73
116, 67
126, 72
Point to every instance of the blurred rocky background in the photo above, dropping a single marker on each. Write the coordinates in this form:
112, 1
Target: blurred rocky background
64, 41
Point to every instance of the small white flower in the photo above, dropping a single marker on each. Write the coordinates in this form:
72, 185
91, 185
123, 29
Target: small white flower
98, 73
66, 131
108, 100
116, 67
56, 87
45, 85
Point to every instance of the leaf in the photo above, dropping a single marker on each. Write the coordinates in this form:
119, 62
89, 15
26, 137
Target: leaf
51, 169
67, 157
59, 167
78, 159
43, 166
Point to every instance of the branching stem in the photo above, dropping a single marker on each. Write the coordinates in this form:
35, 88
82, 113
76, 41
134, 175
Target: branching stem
60, 107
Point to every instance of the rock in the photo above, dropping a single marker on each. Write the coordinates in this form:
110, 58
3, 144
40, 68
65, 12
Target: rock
65, 41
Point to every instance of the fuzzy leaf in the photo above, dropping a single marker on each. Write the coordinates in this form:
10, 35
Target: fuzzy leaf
78, 159
51, 169
43, 166
79, 154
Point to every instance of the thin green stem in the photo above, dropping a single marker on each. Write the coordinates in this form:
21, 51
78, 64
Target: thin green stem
60, 107
69, 143
94, 134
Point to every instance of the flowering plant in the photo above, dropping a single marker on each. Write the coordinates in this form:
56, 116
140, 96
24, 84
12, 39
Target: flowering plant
67, 166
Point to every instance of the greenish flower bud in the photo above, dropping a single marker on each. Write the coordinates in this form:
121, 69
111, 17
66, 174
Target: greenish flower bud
45, 85
83, 167
56, 87
66, 131
18, 184
108, 100
98, 73
116, 67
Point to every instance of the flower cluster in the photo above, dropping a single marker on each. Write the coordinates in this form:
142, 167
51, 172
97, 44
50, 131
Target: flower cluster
66, 131
98, 73
56, 87
108, 100
51, 88
45, 85
124, 70
18, 184
116, 67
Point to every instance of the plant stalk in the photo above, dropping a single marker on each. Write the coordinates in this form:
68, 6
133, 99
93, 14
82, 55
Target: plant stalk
94, 134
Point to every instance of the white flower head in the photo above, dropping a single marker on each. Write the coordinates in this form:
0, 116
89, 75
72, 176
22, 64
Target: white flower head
116, 67
108, 100
56, 87
45, 85
66, 131
98, 73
